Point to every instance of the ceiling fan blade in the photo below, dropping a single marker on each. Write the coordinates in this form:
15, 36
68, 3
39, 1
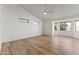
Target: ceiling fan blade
48, 11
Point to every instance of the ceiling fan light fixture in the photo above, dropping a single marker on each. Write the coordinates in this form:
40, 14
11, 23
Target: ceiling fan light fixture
45, 13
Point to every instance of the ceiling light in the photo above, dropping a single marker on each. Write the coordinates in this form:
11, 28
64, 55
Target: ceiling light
45, 13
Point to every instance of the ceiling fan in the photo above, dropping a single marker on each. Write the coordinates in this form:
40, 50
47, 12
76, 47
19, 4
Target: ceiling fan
46, 11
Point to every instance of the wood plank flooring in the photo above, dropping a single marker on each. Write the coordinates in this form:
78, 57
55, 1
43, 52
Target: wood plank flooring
30, 46
41, 45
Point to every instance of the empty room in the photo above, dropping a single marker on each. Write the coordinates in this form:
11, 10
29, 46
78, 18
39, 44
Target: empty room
39, 29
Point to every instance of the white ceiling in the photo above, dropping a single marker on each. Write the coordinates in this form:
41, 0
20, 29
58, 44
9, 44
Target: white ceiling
59, 10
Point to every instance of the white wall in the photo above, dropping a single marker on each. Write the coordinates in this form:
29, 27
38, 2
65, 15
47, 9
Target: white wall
47, 27
0, 27
12, 29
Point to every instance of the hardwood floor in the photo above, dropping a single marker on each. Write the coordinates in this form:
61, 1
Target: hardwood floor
41, 45
31, 46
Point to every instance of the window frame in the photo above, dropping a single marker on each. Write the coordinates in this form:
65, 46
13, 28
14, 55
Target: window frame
76, 26
56, 24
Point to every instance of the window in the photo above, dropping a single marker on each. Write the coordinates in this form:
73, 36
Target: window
65, 26
77, 25
35, 22
55, 26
